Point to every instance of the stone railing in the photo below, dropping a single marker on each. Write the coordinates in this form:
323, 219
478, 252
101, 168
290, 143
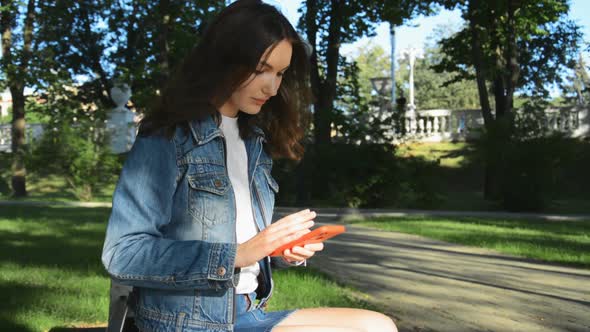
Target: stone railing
34, 130
440, 125
446, 125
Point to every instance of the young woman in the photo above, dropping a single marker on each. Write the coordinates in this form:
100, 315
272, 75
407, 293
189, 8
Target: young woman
191, 227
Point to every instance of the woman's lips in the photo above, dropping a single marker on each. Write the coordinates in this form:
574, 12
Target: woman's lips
259, 101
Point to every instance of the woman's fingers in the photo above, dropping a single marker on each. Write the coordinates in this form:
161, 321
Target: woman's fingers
301, 251
293, 257
290, 231
292, 219
314, 246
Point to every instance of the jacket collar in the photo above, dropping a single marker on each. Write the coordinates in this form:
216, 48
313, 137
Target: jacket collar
206, 129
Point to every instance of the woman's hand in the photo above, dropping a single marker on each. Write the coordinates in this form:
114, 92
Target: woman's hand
298, 254
277, 234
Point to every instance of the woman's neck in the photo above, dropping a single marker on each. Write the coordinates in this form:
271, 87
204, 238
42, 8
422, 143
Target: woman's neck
229, 110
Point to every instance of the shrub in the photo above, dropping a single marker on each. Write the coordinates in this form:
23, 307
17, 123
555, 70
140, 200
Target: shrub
366, 176
77, 154
527, 162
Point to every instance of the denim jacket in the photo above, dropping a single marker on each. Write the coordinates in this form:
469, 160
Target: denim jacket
172, 233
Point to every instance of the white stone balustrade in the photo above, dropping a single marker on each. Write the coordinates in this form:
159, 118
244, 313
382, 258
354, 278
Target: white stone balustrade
445, 125
33, 130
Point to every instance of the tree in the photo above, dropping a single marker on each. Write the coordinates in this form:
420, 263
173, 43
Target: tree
72, 52
17, 25
152, 37
329, 24
506, 46
581, 82
136, 42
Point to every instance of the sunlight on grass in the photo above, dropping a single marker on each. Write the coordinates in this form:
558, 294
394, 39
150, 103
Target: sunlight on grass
563, 242
448, 153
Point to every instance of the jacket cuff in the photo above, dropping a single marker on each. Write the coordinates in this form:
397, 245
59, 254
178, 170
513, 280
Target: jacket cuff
221, 271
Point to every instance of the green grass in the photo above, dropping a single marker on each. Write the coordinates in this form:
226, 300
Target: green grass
562, 242
51, 276
452, 155
55, 189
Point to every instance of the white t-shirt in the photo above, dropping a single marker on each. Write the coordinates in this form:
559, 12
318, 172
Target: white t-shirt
237, 168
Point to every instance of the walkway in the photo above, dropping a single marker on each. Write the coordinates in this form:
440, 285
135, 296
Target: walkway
429, 285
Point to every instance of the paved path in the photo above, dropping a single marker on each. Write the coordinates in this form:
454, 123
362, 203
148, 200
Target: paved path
429, 285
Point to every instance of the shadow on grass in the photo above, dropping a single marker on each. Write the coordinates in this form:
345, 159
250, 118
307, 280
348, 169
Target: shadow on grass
18, 297
54, 236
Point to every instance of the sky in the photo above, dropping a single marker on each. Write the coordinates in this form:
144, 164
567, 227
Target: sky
415, 33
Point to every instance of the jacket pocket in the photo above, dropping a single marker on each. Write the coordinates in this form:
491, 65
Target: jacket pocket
209, 198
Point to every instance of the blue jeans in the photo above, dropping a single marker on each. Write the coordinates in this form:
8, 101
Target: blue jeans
252, 319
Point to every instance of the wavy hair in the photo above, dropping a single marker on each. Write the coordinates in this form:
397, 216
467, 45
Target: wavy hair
229, 52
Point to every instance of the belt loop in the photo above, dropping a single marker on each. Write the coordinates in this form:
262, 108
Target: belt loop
180, 322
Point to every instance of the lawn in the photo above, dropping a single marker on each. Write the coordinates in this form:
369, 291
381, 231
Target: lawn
562, 242
51, 275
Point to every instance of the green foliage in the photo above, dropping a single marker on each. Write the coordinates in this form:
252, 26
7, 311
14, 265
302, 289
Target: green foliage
419, 185
529, 162
545, 42
357, 119
365, 176
79, 155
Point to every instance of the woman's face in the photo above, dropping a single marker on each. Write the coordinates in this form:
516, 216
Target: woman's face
262, 84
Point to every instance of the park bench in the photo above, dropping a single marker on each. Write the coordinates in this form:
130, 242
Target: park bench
121, 315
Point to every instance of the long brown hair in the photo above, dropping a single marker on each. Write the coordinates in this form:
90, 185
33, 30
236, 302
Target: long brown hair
229, 52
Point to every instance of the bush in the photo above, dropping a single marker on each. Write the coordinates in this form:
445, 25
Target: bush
532, 172
365, 176
527, 162
77, 154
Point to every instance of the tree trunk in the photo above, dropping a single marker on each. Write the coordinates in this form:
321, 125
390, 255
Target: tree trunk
480, 72
324, 105
19, 171
491, 187
16, 73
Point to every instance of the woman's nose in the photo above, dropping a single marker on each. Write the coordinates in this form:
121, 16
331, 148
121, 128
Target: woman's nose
271, 86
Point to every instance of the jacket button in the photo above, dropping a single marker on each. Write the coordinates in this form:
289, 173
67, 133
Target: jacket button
217, 183
221, 271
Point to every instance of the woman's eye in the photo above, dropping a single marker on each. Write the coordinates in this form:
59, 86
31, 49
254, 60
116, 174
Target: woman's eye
280, 74
258, 72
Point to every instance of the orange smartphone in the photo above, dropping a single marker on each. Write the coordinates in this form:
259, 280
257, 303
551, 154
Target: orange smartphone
319, 234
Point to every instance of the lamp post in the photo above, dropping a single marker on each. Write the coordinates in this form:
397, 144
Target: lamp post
412, 54
381, 85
